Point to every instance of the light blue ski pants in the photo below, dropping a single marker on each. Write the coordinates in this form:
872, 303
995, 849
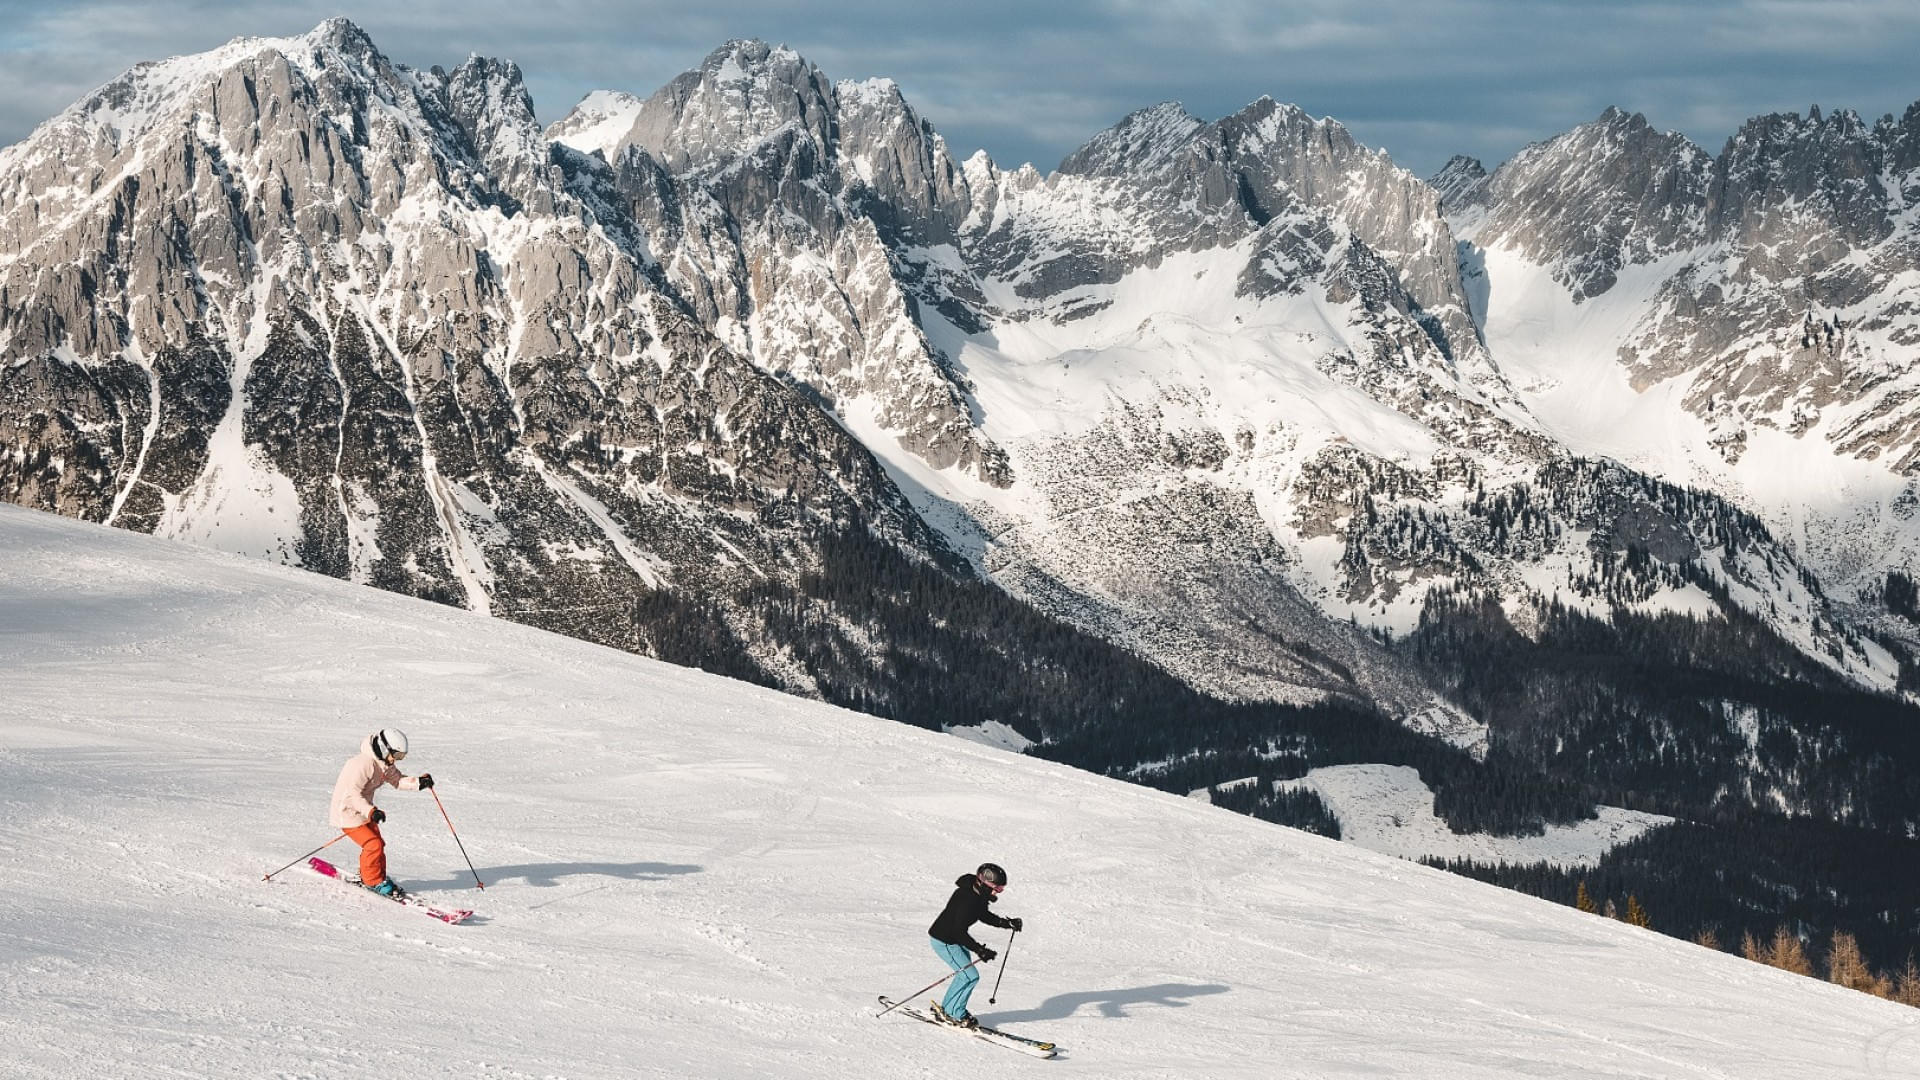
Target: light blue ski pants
957, 958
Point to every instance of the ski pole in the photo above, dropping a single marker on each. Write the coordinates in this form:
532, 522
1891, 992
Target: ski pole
995, 996
308, 855
922, 990
456, 838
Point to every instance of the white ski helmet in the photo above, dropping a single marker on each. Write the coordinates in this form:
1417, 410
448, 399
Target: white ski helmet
389, 745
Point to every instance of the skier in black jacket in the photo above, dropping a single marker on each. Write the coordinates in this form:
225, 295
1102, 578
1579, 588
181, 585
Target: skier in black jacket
952, 942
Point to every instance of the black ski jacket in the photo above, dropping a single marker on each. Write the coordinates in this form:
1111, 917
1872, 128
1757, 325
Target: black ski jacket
967, 906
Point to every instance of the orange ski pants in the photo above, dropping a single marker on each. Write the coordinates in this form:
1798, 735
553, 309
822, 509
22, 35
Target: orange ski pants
373, 853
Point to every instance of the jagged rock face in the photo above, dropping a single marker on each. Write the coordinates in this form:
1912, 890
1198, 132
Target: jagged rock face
782, 197
1608, 194
293, 300
1174, 183
1810, 215
743, 94
1772, 284
1460, 183
901, 173
1315, 209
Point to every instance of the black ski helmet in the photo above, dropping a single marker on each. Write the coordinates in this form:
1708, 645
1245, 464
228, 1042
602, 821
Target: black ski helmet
992, 874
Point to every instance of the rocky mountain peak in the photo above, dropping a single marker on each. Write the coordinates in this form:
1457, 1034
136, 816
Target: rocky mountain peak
1615, 117
1902, 140
1141, 140
786, 199
1461, 183
912, 188
356, 318
489, 101
1783, 173
342, 33
1266, 125
1608, 194
741, 95
1316, 160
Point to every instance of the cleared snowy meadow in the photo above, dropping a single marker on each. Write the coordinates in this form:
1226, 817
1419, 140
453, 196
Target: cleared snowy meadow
691, 877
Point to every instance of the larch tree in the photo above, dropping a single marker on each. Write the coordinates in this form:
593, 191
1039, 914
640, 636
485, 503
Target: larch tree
1906, 986
1636, 914
1788, 954
1847, 965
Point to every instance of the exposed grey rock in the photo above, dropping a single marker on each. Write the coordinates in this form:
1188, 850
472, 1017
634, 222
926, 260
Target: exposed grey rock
1603, 196
1461, 183
784, 198
307, 303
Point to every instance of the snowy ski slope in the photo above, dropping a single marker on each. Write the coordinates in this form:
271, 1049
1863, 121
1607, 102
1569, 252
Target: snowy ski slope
690, 877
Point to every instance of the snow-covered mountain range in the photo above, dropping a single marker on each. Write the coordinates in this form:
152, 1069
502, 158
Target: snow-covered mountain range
1200, 388
1748, 323
753, 373
688, 877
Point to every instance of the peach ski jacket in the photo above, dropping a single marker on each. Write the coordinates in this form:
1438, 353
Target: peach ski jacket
359, 779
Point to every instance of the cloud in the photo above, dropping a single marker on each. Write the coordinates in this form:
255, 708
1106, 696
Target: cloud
1030, 81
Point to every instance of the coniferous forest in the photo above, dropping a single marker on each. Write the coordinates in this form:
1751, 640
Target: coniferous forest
1794, 807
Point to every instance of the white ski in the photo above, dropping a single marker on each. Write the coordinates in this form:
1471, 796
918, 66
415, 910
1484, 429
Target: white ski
1021, 1043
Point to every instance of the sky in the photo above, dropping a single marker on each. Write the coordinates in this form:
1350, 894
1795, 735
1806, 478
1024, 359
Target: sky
1028, 81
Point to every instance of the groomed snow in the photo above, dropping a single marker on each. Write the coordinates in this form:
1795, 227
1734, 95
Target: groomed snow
690, 877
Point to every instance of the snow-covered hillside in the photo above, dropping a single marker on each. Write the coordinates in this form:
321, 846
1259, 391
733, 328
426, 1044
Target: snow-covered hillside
690, 877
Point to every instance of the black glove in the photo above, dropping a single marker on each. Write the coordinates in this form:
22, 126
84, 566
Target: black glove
426, 781
985, 954
1015, 925
377, 816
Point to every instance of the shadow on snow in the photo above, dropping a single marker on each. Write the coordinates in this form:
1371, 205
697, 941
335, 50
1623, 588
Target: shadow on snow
1111, 1003
548, 875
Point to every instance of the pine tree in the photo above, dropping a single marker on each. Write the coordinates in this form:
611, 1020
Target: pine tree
1636, 914
1788, 954
1584, 900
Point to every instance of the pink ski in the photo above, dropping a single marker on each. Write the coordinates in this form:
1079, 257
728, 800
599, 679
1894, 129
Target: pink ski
327, 869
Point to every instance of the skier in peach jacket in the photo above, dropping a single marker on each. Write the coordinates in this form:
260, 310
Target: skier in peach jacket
352, 810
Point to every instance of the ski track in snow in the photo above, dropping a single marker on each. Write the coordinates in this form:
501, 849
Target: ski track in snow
692, 877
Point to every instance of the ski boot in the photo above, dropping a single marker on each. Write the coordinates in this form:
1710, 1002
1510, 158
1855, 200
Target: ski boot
389, 889
967, 1022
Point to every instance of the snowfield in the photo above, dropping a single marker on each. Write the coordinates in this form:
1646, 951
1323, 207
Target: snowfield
691, 877
1388, 808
